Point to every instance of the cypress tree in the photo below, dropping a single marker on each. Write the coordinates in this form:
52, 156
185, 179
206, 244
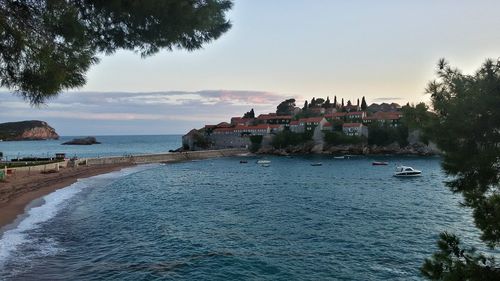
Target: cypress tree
363, 104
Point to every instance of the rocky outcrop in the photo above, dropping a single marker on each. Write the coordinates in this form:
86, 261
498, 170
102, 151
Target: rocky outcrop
82, 141
27, 130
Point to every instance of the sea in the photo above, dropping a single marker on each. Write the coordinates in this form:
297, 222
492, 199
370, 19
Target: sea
219, 219
109, 146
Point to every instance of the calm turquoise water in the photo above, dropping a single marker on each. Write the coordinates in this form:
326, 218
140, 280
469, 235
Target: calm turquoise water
110, 146
221, 220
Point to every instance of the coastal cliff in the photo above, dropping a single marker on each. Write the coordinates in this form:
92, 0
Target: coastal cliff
27, 130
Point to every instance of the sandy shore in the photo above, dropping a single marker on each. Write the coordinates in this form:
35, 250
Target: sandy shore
22, 188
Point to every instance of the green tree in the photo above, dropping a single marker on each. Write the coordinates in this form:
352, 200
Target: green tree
287, 138
286, 107
312, 103
48, 46
327, 103
249, 114
468, 131
306, 106
256, 143
363, 104
335, 102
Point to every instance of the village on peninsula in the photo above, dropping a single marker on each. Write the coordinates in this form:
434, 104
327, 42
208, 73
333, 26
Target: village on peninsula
321, 126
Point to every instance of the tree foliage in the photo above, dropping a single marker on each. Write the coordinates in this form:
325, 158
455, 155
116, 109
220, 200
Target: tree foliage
287, 138
48, 46
249, 114
468, 131
256, 142
339, 138
364, 106
385, 135
286, 107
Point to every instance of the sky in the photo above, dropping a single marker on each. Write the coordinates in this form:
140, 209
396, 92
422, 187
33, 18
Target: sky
385, 50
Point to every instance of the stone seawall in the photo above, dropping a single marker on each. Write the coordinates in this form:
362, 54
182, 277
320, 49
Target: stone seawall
165, 157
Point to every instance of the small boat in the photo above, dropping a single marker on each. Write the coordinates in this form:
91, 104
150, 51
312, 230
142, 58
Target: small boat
317, 164
263, 161
379, 163
243, 161
404, 171
265, 165
341, 157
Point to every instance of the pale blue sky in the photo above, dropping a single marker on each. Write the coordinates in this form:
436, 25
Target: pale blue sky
284, 48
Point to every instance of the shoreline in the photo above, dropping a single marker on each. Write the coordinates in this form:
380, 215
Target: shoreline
24, 186
21, 189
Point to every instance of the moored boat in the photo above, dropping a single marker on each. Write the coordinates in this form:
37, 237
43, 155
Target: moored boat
405, 171
317, 164
263, 161
379, 163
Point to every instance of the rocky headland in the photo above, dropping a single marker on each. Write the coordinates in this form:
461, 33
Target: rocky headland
27, 130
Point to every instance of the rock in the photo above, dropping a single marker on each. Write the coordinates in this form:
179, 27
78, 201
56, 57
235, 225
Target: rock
318, 148
27, 130
82, 141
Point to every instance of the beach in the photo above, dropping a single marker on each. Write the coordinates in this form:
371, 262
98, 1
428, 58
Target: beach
23, 187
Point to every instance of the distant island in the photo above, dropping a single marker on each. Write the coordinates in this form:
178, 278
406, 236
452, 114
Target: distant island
82, 141
27, 130
322, 126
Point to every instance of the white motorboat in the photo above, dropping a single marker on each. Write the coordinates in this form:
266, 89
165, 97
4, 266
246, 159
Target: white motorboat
266, 165
405, 171
263, 161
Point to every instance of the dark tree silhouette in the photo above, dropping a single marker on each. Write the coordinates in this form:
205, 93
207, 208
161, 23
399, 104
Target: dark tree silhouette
363, 104
47, 46
468, 131
249, 114
286, 107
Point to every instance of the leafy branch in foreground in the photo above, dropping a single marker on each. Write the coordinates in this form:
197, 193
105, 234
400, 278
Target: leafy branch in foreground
468, 132
47, 46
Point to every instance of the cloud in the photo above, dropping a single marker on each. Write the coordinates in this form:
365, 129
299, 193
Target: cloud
141, 112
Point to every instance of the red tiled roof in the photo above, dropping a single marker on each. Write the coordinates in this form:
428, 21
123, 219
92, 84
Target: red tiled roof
355, 113
271, 117
294, 122
385, 116
352, 125
223, 125
327, 124
247, 128
311, 119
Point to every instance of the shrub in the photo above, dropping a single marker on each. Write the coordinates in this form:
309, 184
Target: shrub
337, 138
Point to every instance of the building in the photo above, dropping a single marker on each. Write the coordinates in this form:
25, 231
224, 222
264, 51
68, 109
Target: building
295, 127
355, 129
261, 129
391, 119
355, 116
336, 116
312, 122
240, 121
274, 119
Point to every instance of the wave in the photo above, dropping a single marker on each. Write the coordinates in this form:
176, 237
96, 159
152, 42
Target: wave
53, 203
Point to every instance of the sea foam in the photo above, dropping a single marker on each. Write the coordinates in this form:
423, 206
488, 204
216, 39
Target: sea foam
13, 238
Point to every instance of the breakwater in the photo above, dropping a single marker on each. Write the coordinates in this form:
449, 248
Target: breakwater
162, 157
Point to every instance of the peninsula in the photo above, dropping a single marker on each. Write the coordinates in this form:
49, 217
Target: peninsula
322, 126
27, 130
